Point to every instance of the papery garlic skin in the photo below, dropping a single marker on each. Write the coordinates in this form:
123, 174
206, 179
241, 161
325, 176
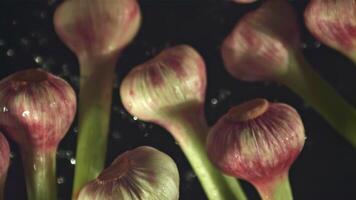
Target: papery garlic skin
333, 23
259, 46
97, 27
173, 80
37, 108
257, 140
142, 173
4, 158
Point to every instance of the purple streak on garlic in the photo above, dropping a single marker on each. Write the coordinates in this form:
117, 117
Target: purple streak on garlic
97, 27
175, 79
4, 155
334, 23
143, 173
4, 160
37, 108
259, 47
256, 141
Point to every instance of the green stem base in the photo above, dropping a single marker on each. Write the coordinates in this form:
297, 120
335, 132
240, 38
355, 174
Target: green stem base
191, 138
95, 97
40, 174
277, 189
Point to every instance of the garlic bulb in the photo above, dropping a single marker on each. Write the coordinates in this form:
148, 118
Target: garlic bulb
142, 173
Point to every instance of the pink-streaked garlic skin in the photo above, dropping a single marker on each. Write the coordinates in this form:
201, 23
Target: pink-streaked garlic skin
142, 173
260, 44
37, 108
175, 80
97, 27
4, 157
257, 147
333, 23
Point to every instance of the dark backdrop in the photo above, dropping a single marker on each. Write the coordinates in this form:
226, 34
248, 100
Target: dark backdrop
326, 168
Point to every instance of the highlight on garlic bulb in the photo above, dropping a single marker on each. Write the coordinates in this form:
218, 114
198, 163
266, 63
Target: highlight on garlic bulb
37, 111
257, 141
261, 43
97, 27
4, 163
333, 23
173, 80
143, 173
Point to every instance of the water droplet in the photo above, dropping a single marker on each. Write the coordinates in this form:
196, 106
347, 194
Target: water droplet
12, 155
73, 161
38, 59
26, 113
214, 101
60, 180
75, 130
5, 109
10, 52
135, 118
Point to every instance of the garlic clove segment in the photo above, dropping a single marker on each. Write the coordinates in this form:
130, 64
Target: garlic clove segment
37, 111
174, 81
142, 173
94, 28
4, 162
333, 23
257, 141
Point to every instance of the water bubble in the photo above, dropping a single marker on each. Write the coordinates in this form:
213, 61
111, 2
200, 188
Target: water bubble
73, 161
12, 155
214, 101
26, 113
5, 109
75, 130
10, 52
60, 180
38, 59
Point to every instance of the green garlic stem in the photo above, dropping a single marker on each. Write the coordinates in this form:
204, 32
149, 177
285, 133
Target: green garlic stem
191, 139
279, 189
305, 82
94, 108
40, 174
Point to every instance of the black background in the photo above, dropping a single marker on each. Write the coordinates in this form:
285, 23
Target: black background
326, 169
